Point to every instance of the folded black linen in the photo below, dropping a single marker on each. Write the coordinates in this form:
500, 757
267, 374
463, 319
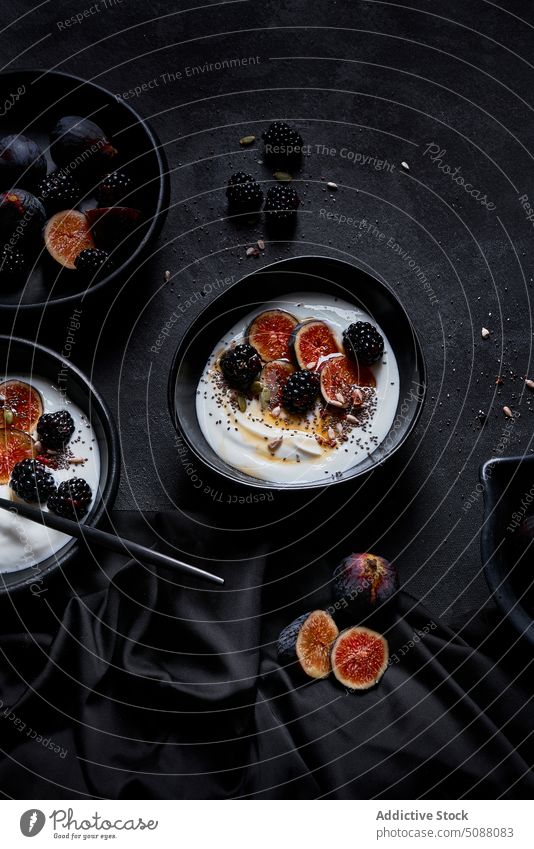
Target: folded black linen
147, 687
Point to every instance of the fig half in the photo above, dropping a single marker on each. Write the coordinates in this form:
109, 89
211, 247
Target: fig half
15, 445
309, 639
21, 405
359, 658
270, 333
310, 340
273, 378
340, 377
112, 226
66, 234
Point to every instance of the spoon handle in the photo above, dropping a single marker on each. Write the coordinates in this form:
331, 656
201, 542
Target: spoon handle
105, 540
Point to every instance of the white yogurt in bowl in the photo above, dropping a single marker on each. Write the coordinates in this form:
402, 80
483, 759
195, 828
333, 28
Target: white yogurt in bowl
319, 446
25, 544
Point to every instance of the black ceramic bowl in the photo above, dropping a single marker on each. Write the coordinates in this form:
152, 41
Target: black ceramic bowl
19, 356
300, 274
507, 553
32, 101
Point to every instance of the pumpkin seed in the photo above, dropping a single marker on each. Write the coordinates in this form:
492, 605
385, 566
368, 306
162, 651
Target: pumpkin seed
246, 140
242, 403
282, 176
256, 387
265, 396
8, 416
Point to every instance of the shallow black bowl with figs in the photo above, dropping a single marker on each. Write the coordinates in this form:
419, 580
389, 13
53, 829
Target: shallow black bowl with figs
83, 189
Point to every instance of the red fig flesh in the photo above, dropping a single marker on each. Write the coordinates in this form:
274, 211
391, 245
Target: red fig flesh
273, 377
269, 333
311, 340
340, 377
359, 658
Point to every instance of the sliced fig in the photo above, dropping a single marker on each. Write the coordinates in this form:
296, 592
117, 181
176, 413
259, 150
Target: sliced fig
15, 445
66, 234
359, 658
21, 405
273, 378
270, 333
311, 340
340, 377
314, 642
309, 639
364, 581
113, 225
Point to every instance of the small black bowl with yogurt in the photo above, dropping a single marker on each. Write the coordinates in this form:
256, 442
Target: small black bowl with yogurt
31, 552
238, 443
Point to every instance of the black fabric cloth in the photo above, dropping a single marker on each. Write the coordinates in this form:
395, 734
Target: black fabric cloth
148, 688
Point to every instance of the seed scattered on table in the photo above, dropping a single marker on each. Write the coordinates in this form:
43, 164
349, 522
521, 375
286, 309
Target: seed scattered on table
485, 333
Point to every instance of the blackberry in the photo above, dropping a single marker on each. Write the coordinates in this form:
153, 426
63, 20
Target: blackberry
281, 204
300, 391
72, 499
240, 365
93, 263
244, 193
113, 188
363, 343
283, 144
55, 429
32, 481
13, 266
58, 191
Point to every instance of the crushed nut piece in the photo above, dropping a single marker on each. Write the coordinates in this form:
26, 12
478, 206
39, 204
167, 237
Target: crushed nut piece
507, 412
529, 383
485, 333
274, 444
276, 411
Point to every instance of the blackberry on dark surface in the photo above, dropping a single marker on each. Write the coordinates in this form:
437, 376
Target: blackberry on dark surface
55, 429
300, 391
93, 262
281, 204
13, 266
113, 188
72, 499
244, 193
32, 481
283, 144
363, 343
58, 191
240, 365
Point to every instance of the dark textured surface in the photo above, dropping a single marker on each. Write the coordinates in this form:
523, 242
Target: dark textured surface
382, 81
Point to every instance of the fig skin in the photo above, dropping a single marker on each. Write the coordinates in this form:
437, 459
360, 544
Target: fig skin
287, 641
359, 658
22, 218
364, 582
21, 162
308, 640
81, 145
301, 358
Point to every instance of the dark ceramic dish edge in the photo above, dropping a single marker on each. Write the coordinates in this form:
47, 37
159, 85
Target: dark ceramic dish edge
158, 218
256, 483
492, 534
106, 496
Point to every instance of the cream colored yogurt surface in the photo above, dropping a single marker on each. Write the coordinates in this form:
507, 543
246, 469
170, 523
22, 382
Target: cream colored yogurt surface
242, 439
23, 543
